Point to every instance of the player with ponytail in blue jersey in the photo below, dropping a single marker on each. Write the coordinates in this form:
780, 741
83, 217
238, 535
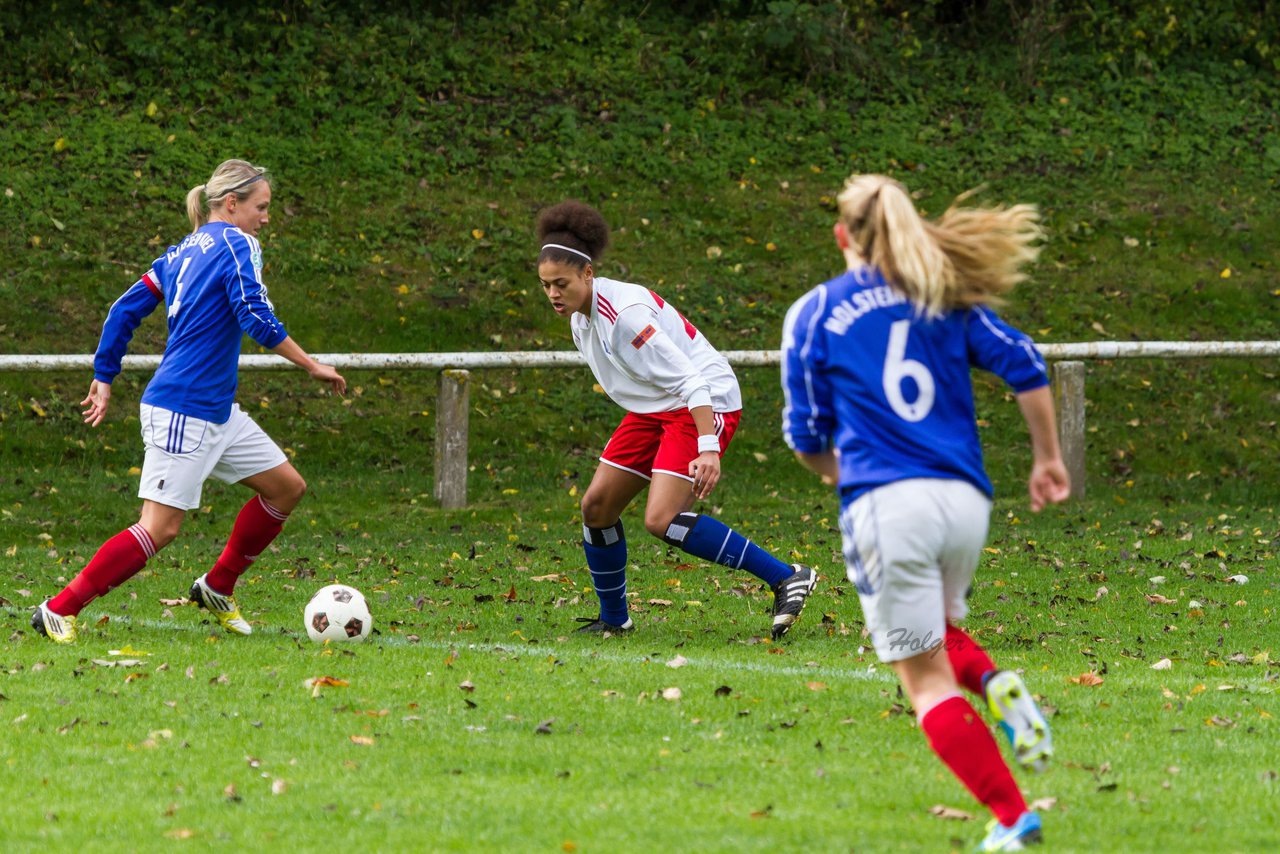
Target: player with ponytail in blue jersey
879, 402
192, 428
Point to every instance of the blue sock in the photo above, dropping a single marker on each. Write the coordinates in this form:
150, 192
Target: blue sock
606, 550
710, 539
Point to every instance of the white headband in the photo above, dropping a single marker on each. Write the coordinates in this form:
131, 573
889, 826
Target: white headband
566, 249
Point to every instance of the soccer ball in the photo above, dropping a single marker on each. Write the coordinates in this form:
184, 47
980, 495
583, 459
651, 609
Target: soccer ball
337, 613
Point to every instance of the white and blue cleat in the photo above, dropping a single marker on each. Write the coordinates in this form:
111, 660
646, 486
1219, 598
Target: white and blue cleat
1023, 832
1020, 719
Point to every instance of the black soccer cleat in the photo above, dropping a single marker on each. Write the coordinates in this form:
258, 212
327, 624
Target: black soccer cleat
595, 626
789, 596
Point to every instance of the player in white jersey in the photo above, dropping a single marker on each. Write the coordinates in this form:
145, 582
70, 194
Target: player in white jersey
683, 406
879, 402
191, 427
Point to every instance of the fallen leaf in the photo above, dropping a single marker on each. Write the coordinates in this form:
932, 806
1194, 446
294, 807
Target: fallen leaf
174, 602
1162, 664
1089, 679
816, 686
678, 661
544, 728
949, 813
278, 786
230, 793
467, 686
1157, 599
127, 650
326, 682
180, 833
362, 740
1042, 804
672, 694
123, 662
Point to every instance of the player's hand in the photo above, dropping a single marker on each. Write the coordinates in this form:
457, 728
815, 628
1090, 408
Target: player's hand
1048, 484
96, 403
327, 374
705, 471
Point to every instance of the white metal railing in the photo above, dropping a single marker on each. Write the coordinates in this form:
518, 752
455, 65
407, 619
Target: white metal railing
453, 404
571, 358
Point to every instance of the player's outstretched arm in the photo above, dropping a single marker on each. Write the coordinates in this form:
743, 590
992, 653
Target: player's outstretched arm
1048, 483
96, 402
289, 349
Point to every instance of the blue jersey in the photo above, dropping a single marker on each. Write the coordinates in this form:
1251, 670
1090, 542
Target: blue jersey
865, 373
212, 284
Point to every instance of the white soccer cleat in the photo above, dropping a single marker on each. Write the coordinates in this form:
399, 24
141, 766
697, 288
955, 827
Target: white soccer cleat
1020, 718
222, 607
55, 627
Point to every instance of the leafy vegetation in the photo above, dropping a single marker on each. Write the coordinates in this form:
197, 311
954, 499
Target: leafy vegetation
410, 154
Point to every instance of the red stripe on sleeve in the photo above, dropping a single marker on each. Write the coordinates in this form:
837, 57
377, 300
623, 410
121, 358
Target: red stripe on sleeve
153, 284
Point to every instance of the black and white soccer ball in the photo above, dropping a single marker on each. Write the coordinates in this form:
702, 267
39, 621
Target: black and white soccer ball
337, 613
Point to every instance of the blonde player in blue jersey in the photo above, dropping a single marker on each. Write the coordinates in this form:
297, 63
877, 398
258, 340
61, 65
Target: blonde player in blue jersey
683, 406
879, 402
192, 428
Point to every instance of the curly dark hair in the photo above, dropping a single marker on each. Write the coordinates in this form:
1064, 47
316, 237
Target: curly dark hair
576, 225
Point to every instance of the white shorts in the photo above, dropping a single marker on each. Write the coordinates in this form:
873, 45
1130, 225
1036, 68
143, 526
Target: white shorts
911, 548
183, 452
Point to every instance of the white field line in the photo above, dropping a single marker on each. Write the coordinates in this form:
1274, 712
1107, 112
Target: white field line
871, 672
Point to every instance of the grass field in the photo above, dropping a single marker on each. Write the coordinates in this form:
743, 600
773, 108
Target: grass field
475, 721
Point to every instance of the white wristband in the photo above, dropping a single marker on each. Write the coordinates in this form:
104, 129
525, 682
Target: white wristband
708, 444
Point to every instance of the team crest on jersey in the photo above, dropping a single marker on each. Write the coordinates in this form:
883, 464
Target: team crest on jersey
255, 258
645, 335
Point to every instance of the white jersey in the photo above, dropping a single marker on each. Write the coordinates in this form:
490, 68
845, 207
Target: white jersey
647, 357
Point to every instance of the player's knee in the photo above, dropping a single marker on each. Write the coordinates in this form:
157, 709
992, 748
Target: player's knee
165, 532
595, 513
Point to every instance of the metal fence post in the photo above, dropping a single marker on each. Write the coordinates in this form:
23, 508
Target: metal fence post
452, 409
1068, 399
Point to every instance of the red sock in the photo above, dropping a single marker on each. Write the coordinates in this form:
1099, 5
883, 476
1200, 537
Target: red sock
116, 561
969, 661
257, 525
964, 743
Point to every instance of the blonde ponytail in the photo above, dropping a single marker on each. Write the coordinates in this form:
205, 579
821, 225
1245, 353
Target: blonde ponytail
195, 210
969, 256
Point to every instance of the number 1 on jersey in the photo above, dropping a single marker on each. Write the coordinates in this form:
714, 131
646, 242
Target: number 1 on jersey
177, 293
897, 367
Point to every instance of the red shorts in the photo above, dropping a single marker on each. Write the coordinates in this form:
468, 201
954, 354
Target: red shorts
663, 442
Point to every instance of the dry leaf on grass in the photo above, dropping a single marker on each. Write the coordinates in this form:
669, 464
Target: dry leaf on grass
949, 813
362, 740
1089, 679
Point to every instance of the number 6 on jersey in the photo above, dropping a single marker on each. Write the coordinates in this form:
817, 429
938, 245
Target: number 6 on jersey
897, 367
